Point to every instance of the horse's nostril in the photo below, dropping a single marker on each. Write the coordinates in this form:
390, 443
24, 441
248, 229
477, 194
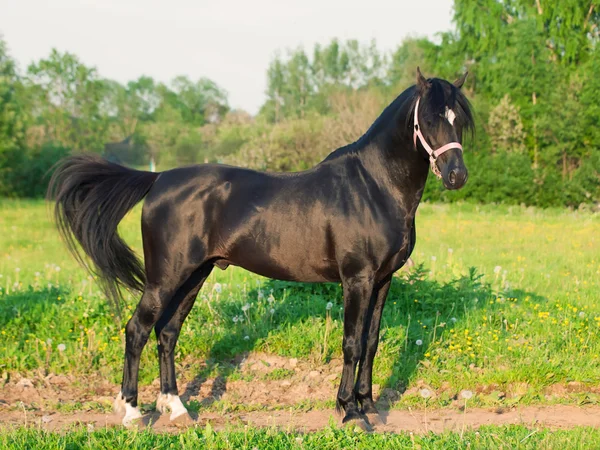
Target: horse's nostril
452, 177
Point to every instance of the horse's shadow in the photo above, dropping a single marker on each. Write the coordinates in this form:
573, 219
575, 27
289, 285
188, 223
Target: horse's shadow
419, 310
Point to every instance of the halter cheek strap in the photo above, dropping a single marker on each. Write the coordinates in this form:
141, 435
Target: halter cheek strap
433, 154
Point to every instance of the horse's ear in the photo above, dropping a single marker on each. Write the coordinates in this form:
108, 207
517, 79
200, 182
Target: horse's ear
422, 83
459, 83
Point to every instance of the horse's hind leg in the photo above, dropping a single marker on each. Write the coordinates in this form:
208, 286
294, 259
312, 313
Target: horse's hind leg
167, 331
154, 301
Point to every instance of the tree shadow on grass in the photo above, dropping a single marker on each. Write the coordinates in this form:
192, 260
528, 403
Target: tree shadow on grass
21, 308
419, 310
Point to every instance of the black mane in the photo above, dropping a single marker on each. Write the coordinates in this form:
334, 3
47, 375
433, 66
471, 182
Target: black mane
440, 95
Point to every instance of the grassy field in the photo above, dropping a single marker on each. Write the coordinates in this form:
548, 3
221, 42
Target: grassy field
507, 438
503, 302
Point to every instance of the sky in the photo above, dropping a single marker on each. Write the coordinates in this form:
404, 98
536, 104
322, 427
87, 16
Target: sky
230, 42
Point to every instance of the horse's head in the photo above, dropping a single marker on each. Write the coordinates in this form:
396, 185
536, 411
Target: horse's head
440, 116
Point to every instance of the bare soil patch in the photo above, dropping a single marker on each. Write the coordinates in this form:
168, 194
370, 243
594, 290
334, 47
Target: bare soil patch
267, 382
418, 421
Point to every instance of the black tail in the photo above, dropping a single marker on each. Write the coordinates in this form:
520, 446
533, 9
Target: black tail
92, 197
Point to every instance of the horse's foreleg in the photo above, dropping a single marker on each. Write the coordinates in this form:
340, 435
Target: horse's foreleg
357, 295
167, 331
364, 384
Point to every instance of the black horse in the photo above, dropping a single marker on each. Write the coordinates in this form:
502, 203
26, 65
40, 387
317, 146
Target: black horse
350, 219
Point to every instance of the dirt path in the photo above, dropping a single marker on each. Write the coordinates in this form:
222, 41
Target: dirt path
269, 383
394, 421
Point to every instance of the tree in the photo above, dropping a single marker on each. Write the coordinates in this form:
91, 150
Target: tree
505, 127
67, 101
199, 102
12, 113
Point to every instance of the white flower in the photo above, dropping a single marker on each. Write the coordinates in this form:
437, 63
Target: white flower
497, 269
272, 311
453, 320
425, 393
450, 250
466, 394
217, 287
581, 315
61, 347
419, 342
433, 258
329, 306
261, 295
235, 319
18, 269
246, 307
49, 341
271, 299
57, 269
246, 338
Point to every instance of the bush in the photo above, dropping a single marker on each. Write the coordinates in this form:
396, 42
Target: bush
509, 178
26, 172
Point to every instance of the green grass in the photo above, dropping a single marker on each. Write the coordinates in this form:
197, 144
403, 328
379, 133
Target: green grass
509, 437
506, 301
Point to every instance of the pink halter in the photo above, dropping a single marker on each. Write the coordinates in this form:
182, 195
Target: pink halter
433, 154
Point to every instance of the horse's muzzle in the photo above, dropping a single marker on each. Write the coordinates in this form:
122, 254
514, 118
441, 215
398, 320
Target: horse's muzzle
456, 178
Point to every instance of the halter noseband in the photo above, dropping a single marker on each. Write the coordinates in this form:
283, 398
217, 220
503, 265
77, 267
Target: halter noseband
433, 154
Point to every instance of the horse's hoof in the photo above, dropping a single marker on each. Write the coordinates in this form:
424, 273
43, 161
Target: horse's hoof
131, 421
132, 413
170, 402
357, 422
183, 420
375, 419
372, 414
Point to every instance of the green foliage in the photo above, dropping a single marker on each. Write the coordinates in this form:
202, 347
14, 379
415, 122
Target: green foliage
299, 84
533, 81
12, 120
60, 103
26, 172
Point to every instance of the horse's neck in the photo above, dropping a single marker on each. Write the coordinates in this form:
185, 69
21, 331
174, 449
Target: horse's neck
398, 169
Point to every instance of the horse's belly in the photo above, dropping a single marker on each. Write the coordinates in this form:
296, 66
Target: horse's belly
290, 263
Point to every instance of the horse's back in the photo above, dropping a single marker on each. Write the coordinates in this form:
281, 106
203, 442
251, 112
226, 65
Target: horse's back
288, 226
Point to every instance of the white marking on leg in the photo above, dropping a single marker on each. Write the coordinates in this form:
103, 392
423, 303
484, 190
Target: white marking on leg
131, 412
119, 403
450, 116
172, 403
